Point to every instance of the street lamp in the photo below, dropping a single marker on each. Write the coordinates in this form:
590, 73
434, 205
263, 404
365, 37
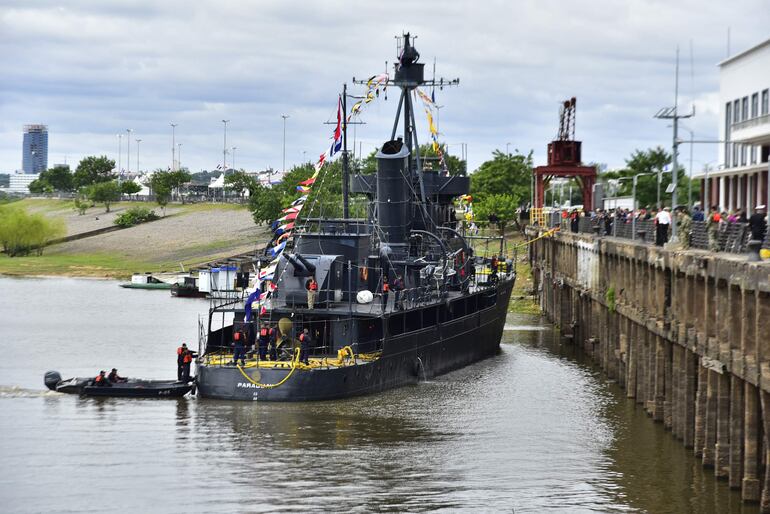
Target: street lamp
615, 213
173, 145
120, 145
128, 150
137, 154
224, 148
633, 194
284, 116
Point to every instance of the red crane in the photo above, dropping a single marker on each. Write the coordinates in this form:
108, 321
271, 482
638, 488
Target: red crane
564, 159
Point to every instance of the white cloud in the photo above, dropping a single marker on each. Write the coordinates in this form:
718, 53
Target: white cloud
91, 69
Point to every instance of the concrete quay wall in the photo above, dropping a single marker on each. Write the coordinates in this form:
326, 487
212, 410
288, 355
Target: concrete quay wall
685, 333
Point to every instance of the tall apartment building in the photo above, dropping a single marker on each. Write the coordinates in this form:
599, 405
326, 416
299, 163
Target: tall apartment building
35, 149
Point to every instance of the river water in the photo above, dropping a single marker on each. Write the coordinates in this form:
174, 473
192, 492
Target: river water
533, 429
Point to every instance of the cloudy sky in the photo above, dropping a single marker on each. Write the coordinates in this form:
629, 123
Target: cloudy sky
92, 69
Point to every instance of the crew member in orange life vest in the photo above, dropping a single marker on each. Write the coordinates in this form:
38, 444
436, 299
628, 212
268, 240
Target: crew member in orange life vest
180, 360
187, 358
101, 380
312, 291
264, 339
385, 291
239, 348
304, 346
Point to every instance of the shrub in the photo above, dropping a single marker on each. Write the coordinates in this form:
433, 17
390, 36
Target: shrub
135, 216
21, 232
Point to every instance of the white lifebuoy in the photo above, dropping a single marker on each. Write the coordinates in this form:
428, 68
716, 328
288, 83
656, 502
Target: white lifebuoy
364, 296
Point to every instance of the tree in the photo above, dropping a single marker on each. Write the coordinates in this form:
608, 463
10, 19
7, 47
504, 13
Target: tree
104, 192
501, 205
129, 187
650, 161
239, 182
176, 179
60, 178
505, 174
21, 232
264, 204
161, 188
57, 178
39, 186
92, 170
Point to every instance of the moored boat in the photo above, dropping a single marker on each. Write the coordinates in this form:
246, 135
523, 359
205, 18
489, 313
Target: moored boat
147, 281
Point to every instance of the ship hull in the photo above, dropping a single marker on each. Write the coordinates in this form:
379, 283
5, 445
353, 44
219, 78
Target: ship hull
405, 359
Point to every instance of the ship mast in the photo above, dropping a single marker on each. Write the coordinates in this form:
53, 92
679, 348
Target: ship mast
345, 169
409, 75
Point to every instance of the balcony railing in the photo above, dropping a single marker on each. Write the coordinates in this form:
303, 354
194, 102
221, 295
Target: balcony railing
752, 122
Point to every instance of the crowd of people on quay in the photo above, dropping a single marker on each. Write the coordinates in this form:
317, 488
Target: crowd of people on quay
609, 221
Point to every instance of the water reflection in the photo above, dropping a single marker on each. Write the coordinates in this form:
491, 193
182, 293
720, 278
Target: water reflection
535, 428
652, 471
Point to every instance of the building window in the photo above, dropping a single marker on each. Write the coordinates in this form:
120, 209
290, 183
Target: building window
755, 105
753, 154
765, 99
736, 111
743, 155
745, 108
735, 154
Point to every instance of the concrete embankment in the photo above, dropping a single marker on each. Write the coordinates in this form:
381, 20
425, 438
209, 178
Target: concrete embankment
687, 335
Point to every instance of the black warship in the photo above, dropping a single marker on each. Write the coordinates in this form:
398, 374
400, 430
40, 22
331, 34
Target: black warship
450, 312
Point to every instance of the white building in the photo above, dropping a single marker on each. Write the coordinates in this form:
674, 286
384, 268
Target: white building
741, 182
19, 183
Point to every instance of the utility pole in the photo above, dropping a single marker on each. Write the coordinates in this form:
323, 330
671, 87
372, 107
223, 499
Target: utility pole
179, 155
232, 159
173, 146
670, 113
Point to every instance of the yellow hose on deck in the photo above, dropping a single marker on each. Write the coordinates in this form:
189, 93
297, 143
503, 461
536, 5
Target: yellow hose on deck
294, 362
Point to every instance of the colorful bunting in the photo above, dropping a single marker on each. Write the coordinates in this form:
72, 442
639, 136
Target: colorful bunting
291, 213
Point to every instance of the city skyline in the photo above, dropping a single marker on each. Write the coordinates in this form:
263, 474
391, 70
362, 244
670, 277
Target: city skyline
261, 67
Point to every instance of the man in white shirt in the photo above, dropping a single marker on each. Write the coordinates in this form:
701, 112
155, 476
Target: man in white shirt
662, 223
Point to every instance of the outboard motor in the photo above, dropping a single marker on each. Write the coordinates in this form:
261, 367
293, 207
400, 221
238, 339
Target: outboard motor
51, 379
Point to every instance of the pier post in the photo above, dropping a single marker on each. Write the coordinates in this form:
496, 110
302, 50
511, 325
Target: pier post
765, 402
631, 359
736, 432
690, 399
699, 434
750, 485
660, 379
709, 444
676, 374
722, 448
668, 382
